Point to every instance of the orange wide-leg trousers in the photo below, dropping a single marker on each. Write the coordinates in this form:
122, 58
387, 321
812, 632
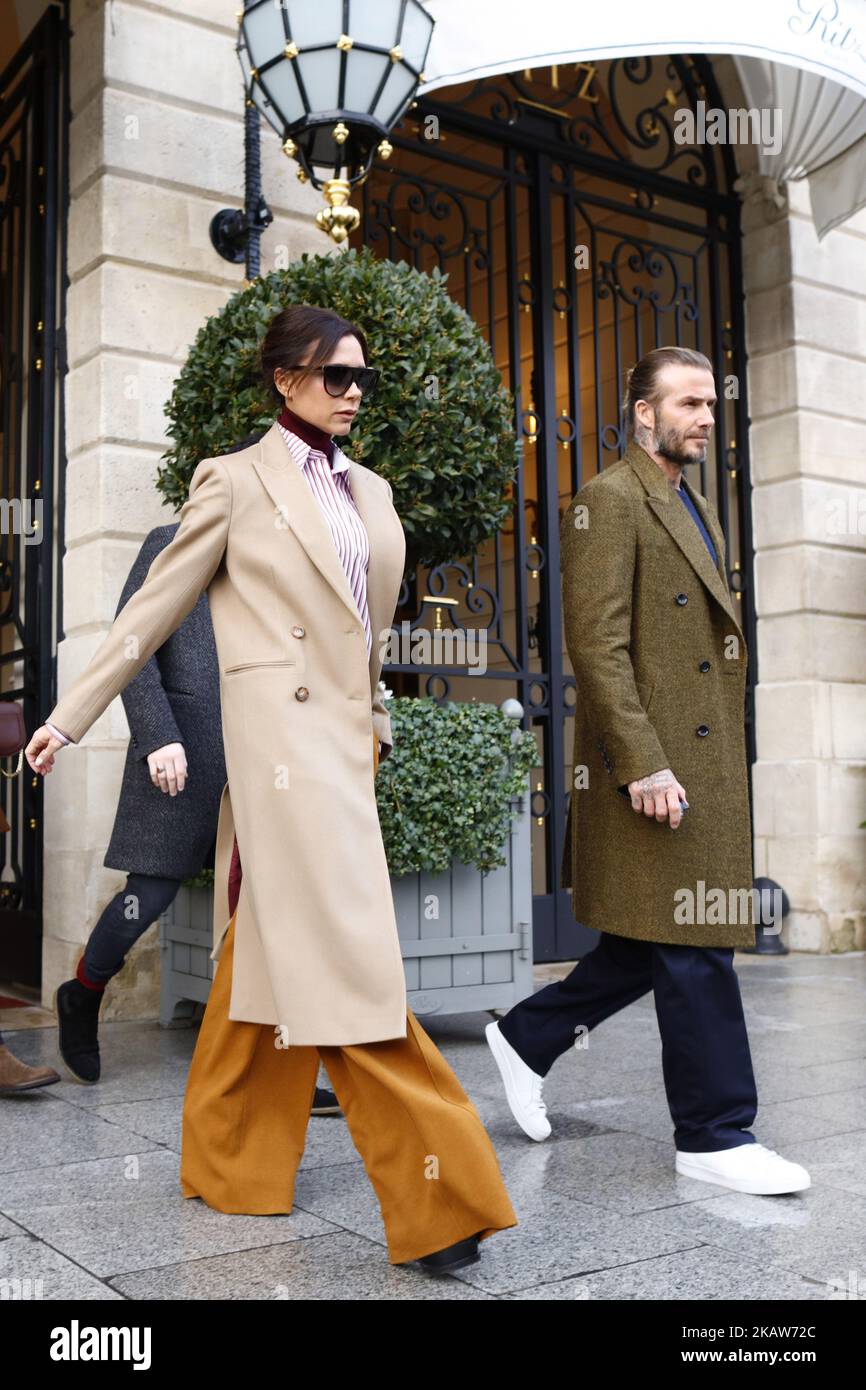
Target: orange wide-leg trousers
425, 1150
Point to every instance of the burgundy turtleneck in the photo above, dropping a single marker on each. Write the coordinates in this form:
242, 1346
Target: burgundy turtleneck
311, 434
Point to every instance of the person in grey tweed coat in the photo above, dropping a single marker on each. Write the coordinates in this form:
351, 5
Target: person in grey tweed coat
173, 700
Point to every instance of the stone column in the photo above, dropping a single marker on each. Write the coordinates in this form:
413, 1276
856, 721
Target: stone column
806, 316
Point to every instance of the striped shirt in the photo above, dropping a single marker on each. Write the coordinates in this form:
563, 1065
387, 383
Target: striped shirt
330, 487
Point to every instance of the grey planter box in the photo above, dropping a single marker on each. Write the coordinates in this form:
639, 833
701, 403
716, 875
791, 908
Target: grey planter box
466, 937
186, 941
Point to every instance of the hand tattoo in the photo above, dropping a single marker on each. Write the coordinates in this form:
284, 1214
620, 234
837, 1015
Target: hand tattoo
656, 781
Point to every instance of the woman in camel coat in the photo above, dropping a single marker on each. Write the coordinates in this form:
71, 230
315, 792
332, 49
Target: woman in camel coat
301, 591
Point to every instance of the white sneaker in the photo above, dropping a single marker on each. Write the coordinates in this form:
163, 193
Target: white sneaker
745, 1168
522, 1085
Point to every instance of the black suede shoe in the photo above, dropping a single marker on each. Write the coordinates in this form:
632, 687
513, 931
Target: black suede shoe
465, 1252
77, 1009
325, 1103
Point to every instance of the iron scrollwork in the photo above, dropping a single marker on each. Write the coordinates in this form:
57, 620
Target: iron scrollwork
627, 114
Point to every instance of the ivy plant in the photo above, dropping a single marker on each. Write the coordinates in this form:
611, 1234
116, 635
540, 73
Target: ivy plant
446, 789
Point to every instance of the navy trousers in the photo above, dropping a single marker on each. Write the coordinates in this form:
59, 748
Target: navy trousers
706, 1061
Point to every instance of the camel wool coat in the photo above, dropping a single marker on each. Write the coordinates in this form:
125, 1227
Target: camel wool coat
660, 663
316, 946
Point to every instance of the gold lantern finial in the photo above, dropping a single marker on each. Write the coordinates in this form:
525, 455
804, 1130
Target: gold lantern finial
338, 220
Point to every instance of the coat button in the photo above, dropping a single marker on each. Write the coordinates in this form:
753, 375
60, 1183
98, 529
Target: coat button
682, 598
704, 666
702, 730
302, 693
298, 631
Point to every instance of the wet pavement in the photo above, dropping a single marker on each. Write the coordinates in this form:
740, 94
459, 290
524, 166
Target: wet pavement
90, 1203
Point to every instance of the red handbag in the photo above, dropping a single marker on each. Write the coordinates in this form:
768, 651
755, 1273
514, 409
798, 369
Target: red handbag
13, 737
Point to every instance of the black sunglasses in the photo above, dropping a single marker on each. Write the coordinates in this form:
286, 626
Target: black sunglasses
338, 378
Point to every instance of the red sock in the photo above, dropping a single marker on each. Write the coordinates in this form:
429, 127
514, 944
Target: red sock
84, 979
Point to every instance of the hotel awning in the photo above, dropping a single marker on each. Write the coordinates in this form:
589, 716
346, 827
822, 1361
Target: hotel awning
805, 57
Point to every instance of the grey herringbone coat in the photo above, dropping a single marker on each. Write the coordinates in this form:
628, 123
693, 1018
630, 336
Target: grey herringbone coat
660, 662
175, 698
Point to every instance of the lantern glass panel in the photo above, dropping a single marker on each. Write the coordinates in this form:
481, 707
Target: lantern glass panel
417, 28
319, 22
282, 87
260, 99
320, 73
375, 22
364, 73
264, 33
398, 88
244, 59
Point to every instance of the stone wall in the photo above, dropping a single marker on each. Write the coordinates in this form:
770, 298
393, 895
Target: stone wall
806, 334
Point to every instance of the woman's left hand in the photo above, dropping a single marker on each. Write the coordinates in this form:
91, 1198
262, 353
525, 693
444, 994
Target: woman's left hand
41, 749
168, 767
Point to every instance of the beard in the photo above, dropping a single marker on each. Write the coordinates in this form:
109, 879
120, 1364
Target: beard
674, 445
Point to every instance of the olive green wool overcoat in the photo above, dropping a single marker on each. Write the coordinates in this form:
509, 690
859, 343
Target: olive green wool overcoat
660, 662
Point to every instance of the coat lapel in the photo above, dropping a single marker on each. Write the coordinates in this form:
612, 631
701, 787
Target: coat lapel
674, 517
299, 511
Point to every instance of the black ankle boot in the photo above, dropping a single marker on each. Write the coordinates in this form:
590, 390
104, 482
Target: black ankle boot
465, 1252
77, 1009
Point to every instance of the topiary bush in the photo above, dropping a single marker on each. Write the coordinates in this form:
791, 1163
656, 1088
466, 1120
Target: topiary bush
440, 426
445, 790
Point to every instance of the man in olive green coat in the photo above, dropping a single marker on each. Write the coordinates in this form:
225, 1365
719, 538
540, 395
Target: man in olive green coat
658, 849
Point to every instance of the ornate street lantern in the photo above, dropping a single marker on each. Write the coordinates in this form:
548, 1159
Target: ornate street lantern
333, 78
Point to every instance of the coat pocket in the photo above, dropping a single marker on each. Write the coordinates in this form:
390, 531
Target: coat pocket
645, 692
256, 665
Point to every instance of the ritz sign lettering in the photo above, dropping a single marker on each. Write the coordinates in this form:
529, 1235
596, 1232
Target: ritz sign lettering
825, 22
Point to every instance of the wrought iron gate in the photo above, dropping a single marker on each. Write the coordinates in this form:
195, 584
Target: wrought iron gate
579, 233
33, 200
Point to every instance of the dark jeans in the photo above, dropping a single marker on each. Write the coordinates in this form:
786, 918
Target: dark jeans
126, 917
143, 899
706, 1061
